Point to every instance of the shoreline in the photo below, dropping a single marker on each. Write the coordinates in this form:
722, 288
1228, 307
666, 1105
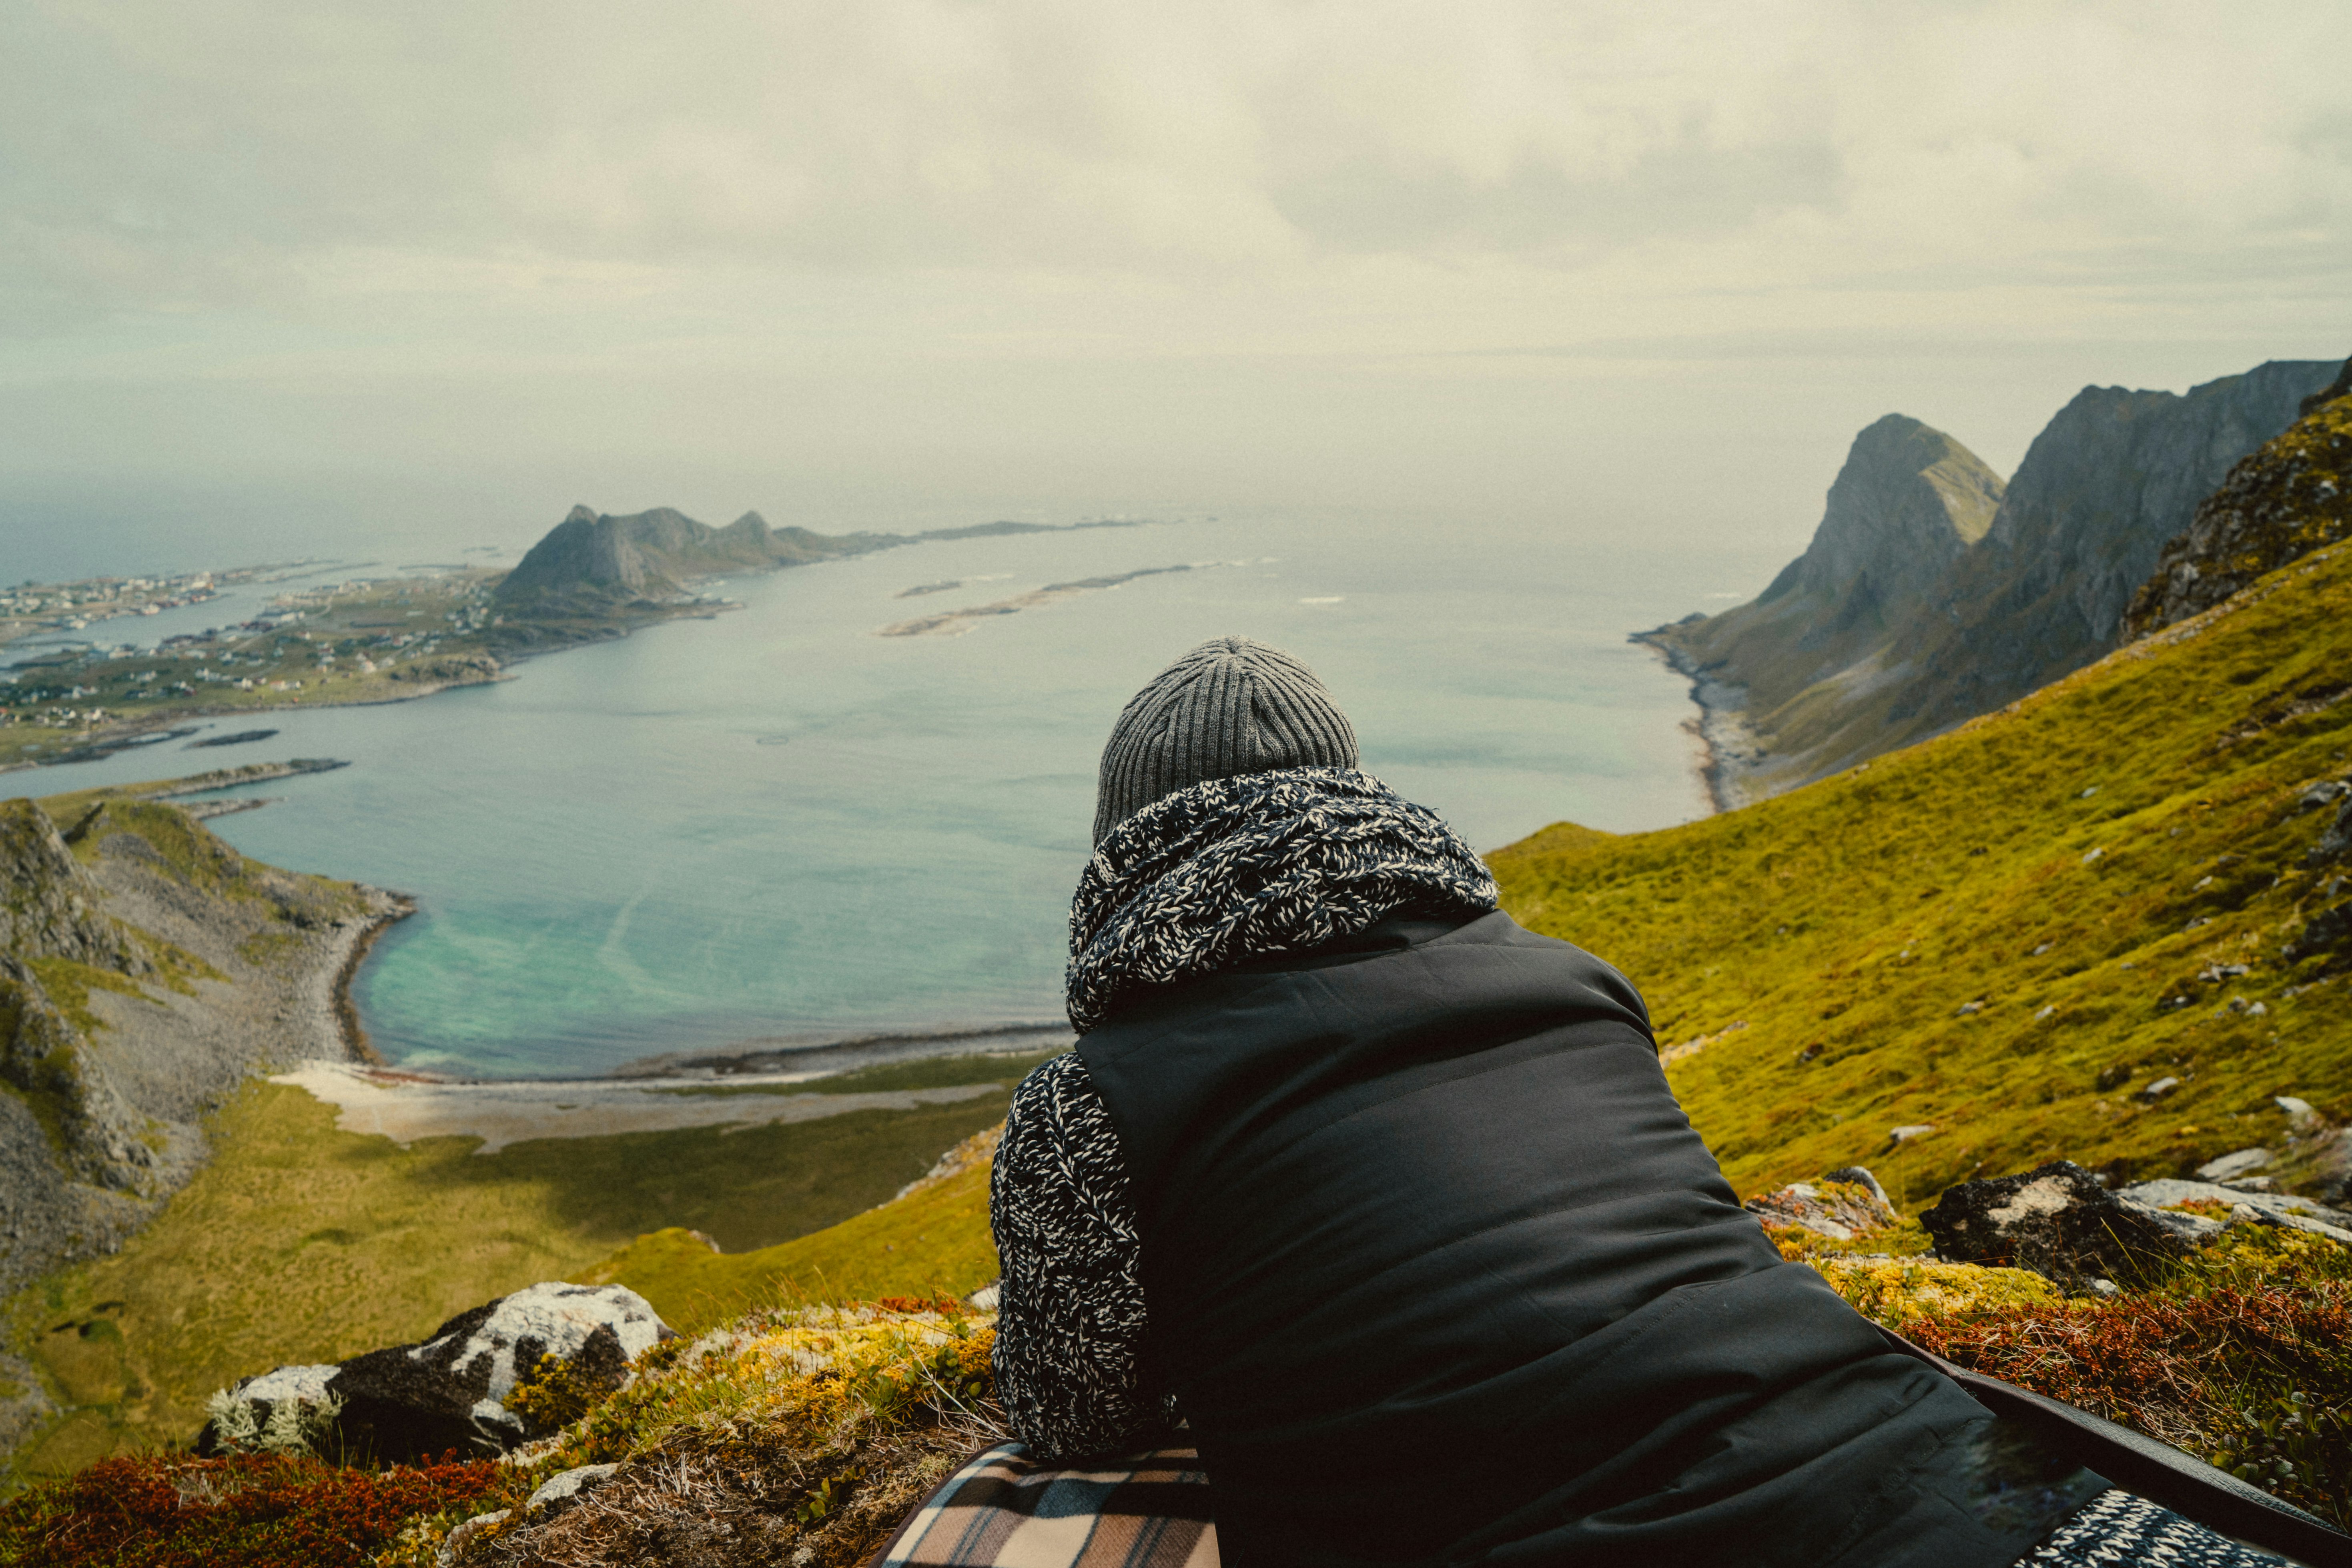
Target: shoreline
784, 1058
406, 1107
114, 743
757, 1087
355, 1041
1731, 755
1698, 727
526, 638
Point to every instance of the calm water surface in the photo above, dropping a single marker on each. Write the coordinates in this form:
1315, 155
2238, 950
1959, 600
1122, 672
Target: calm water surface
777, 823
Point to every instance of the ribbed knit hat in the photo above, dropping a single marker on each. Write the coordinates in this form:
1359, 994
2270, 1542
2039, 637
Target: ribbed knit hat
1230, 706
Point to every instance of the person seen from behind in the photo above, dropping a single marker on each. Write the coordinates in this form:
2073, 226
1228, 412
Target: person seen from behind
1389, 1199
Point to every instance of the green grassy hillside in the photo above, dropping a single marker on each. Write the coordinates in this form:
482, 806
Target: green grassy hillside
2008, 932
931, 1243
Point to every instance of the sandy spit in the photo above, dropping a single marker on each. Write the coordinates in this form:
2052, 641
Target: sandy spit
404, 1106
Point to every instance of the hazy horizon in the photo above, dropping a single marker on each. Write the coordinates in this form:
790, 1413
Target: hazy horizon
280, 280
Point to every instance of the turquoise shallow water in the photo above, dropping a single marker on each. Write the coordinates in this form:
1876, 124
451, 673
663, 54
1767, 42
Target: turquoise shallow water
777, 824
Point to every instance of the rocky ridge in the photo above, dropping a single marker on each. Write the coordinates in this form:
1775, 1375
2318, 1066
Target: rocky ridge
2290, 497
651, 555
1834, 665
146, 968
595, 564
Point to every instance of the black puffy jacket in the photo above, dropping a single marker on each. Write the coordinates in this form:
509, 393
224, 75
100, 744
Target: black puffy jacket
1440, 1273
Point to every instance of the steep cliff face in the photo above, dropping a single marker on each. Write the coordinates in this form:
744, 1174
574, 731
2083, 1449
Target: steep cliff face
584, 554
1908, 504
2286, 501
1895, 625
53, 934
2113, 478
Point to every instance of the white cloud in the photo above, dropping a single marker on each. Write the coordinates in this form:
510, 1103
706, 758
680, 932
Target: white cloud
1392, 201
1090, 135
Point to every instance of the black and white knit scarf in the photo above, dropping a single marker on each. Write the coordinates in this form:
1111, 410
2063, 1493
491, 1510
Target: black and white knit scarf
1262, 863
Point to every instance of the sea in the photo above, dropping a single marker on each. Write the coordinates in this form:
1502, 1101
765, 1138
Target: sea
776, 826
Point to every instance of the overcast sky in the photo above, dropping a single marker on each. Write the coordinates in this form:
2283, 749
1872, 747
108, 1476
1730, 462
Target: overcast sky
1641, 269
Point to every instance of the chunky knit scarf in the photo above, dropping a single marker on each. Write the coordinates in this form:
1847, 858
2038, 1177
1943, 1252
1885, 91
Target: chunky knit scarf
1261, 863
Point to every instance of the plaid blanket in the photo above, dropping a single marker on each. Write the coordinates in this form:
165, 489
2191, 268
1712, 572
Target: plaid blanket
1002, 1511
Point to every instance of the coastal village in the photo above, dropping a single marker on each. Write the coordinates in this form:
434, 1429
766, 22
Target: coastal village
362, 640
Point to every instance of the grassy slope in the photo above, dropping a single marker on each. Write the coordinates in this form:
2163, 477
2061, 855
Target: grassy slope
934, 1242
303, 1243
1854, 920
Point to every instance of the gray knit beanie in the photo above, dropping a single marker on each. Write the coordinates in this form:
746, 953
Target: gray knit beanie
1230, 706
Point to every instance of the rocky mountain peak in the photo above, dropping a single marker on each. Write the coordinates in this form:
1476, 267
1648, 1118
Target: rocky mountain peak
1894, 626
587, 552
1907, 502
602, 561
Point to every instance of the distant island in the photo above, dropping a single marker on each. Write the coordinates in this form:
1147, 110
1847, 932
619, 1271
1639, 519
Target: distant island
593, 577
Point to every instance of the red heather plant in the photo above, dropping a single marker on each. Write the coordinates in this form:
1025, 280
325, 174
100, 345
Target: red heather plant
172, 1511
2256, 1380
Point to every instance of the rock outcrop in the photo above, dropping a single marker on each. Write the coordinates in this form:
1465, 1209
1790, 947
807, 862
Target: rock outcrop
2340, 387
49, 904
1891, 627
2165, 1194
2057, 1221
49, 910
1844, 1205
469, 1386
2291, 498
133, 997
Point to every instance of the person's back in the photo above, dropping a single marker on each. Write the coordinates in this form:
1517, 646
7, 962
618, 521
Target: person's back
1436, 1268
1390, 1198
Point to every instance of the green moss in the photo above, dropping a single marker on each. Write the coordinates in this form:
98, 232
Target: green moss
1901, 1292
1849, 924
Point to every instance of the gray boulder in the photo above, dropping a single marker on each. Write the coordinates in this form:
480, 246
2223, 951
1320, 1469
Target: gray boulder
2332, 843
2231, 1167
2274, 1208
451, 1392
